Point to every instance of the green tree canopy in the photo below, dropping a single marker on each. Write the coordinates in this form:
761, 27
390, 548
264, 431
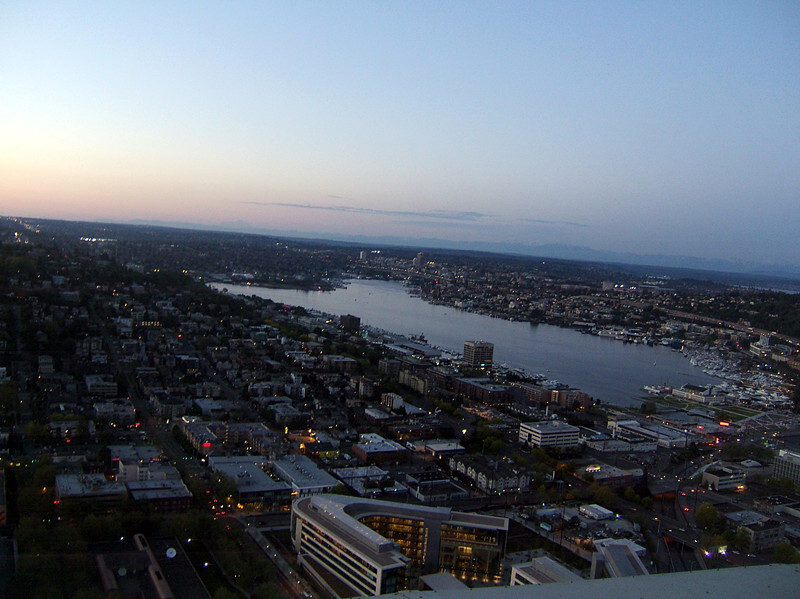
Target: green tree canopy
707, 517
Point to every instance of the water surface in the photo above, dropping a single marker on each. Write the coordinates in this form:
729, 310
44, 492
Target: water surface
606, 369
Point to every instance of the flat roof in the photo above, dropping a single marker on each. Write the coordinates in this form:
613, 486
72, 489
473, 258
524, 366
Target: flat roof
329, 514
249, 478
549, 426
546, 570
775, 580
623, 560
87, 485
303, 473
443, 581
158, 489
340, 515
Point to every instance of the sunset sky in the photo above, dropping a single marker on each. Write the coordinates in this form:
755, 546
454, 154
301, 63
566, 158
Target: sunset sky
648, 127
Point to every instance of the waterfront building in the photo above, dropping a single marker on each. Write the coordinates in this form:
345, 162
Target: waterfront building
549, 434
352, 546
478, 354
787, 465
664, 436
350, 322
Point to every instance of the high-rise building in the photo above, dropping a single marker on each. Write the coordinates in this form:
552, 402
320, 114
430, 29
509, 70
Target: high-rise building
369, 547
478, 354
350, 322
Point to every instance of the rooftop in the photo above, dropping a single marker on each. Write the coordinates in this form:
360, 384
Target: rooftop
775, 580
87, 485
302, 472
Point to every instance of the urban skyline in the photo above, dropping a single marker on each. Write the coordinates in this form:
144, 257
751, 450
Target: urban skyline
627, 128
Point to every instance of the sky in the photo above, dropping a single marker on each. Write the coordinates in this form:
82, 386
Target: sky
647, 127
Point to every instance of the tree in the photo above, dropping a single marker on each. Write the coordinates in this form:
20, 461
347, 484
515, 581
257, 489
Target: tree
266, 590
341, 489
784, 553
605, 497
707, 517
648, 407
9, 405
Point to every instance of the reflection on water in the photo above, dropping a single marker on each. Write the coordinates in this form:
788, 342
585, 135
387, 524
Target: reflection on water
606, 369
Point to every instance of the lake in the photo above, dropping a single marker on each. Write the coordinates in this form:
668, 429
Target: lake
606, 369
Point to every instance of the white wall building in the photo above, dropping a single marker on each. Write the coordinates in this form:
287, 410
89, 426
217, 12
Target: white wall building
549, 434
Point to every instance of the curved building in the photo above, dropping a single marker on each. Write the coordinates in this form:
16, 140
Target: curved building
353, 546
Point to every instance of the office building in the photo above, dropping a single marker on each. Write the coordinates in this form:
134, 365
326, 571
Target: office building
723, 479
787, 465
352, 546
478, 354
555, 433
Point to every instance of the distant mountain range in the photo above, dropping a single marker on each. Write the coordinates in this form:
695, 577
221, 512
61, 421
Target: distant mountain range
785, 272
